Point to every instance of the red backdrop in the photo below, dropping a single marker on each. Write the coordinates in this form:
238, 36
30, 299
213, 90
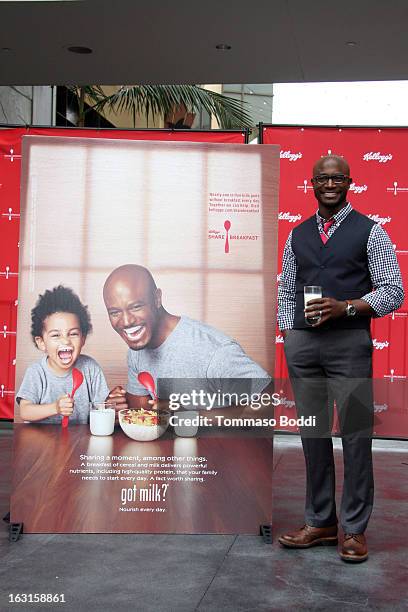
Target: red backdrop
377, 158
380, 189
10, 157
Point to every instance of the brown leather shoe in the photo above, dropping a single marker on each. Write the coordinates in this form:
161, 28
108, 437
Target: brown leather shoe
309, 536
354, 548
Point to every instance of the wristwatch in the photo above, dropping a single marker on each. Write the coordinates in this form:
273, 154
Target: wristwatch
351, 310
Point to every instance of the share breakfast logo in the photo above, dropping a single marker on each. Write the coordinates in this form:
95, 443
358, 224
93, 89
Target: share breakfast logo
381, 158
305, 187
8, 274
4, 391
10, 215
6, 332
395, 315
399, 251
11, 155
392, 376
228, 237
395, 190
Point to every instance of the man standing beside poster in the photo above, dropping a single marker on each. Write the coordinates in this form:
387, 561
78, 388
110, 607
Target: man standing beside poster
170, 346
352, 259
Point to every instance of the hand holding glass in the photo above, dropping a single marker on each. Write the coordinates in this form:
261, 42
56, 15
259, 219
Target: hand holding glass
312, 292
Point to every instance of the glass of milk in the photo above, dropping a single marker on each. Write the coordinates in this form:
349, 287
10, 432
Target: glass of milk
312, 292
102, 418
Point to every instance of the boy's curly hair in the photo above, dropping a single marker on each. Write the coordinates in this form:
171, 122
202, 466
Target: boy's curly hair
59, 299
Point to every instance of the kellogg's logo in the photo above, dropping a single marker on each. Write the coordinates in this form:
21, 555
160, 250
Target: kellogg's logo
287, 216
290, 156
284, 401
381, 158
358, 188
379, 346
279, 339
380, 220
380, 407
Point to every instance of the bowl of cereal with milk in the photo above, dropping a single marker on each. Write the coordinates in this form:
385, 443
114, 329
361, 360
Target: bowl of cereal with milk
144, 425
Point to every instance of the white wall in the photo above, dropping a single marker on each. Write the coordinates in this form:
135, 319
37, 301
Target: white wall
360, 103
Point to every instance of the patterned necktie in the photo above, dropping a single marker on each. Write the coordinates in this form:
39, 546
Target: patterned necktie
326, 227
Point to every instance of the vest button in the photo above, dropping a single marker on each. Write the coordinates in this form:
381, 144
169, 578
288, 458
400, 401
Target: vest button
322, 267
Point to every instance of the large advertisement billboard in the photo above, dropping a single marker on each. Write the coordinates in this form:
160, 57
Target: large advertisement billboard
191, 228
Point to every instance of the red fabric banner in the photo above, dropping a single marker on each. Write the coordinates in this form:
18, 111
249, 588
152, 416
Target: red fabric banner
377, 158
10, 158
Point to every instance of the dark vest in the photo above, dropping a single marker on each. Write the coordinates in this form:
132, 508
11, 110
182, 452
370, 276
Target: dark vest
340, 266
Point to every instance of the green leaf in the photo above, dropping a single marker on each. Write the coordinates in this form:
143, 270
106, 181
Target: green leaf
162, 99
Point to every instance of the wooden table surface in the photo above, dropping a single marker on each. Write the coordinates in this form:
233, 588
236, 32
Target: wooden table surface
49, 498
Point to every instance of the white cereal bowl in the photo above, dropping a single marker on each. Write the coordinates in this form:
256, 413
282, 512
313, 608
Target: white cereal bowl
144, 433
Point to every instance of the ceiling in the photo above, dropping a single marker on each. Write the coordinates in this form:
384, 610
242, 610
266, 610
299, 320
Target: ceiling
165, 41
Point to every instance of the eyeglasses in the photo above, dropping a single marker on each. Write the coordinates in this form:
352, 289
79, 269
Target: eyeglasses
322, 179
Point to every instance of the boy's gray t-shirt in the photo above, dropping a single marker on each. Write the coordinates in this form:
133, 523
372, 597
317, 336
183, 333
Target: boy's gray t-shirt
41, 386
199, 351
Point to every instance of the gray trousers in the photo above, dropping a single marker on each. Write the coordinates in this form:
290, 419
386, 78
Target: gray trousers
327, 366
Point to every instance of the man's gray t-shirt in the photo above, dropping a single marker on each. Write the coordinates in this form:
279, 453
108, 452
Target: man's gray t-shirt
199, 351
41, 386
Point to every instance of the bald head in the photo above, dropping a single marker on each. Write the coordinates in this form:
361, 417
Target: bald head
331, 160
130, 274
133, 303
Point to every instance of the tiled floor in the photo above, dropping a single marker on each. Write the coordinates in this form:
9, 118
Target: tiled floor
169, 573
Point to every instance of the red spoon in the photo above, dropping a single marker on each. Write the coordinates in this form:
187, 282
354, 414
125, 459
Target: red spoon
146, 379
77, 380
227, 227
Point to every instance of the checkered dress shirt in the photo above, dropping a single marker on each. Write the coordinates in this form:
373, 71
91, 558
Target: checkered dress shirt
388, 292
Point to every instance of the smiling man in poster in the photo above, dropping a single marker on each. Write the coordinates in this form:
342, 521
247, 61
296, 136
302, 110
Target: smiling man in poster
170, 346
351, 261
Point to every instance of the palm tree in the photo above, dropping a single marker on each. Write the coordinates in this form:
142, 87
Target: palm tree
163, 100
